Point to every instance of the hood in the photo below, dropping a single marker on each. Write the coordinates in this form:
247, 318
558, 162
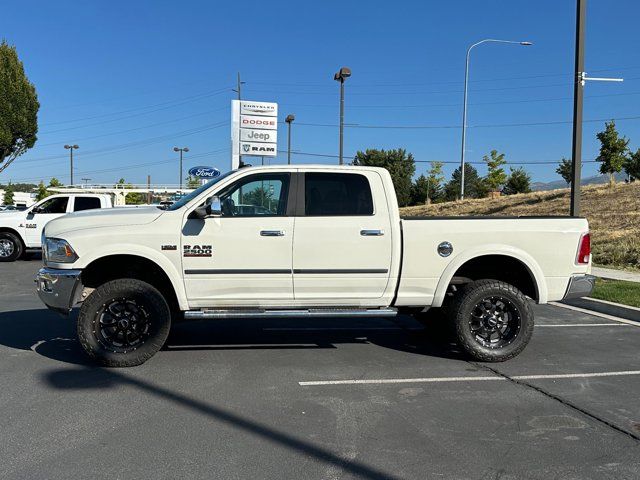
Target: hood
107, 217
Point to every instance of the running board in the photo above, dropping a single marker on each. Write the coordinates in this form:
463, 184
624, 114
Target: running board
315, 312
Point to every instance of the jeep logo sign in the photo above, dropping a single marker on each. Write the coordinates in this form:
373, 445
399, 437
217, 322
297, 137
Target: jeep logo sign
204, 172
252, 135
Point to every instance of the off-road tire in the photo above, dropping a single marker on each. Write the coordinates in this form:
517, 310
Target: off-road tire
460, 314
90, 330
17, 246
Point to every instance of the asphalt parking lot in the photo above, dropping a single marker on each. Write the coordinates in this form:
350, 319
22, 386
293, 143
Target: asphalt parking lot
314, 399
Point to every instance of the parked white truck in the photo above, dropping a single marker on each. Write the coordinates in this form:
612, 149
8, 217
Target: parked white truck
21, 230
325, 241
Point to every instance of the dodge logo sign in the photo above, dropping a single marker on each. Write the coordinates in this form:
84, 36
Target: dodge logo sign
204, 172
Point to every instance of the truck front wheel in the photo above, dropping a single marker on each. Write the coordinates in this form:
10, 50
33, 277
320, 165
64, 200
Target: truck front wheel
10, 247
493, 320
123, 323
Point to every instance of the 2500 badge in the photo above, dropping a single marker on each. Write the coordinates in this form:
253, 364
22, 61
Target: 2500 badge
197, 251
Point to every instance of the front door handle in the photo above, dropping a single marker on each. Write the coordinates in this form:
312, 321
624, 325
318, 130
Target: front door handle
272, 233
371, 233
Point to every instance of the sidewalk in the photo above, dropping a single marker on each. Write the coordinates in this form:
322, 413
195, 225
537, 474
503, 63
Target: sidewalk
611, 274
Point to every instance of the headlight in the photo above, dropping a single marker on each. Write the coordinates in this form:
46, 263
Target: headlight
57, 250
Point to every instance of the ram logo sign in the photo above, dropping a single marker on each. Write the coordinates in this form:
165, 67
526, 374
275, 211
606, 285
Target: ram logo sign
204, 172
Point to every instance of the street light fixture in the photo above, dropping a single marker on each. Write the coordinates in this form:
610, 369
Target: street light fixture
181, 150
290, 118
464, 104
341, 76
71, 148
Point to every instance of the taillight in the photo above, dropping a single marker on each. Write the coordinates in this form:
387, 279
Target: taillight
584, 249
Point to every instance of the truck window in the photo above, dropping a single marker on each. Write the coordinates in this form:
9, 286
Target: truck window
257, 195
85, 203
55, 205
337, 194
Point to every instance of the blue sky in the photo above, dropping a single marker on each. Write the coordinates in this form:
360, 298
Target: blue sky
128, 81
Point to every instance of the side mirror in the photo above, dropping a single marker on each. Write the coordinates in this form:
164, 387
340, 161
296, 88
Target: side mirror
212, 208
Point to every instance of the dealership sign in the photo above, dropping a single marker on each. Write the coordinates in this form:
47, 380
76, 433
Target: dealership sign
204, 172
254, 130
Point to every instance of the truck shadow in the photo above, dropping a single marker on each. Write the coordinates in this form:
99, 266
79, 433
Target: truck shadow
52, 336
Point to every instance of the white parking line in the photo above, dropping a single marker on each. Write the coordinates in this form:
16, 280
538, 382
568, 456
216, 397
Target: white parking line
320, 329
595, 314
466, 379
585, 325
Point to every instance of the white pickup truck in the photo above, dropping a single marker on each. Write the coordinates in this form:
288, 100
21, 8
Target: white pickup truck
322, 241
21, 231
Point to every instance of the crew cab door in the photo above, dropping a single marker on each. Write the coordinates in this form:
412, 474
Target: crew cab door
42, 214
243, 256
342, 247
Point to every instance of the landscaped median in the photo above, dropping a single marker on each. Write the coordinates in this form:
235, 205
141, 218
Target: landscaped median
618, 291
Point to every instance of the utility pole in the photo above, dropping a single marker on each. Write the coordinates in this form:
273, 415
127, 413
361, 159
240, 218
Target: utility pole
578, 96
71, 148
86, 180
238, 90
149, 195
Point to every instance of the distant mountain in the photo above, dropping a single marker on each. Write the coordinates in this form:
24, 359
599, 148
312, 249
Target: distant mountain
595, 180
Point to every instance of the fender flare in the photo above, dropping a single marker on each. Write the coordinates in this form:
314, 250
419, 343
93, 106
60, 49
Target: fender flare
492, 249
148, 254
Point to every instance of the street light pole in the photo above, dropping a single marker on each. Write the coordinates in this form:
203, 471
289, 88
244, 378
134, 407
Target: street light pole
464, 104
341, 76
183, 149
290, 118
71, 148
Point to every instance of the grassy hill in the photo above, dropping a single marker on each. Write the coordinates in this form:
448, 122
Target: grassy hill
613, 214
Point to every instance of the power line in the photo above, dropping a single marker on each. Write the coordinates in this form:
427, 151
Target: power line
436, 127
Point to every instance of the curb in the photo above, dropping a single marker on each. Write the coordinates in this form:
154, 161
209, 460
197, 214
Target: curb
608, 308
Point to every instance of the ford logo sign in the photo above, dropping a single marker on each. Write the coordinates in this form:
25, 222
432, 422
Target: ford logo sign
204, 172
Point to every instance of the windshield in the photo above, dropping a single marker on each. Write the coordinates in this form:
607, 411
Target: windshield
187, 198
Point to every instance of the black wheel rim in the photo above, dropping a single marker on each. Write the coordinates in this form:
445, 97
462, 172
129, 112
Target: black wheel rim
495, 322
123, 324
6, 248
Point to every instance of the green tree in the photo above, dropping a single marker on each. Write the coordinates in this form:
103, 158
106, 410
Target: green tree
420, 190
8, 195
519, 181
133, 198
193, 182
54, 182
565, 170
613, 151
400, 165
496, 176
474, 185
41, 192
632, 165
18, 107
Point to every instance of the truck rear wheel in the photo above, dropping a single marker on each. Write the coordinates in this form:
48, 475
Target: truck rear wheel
493, 320
123, 323
10, 247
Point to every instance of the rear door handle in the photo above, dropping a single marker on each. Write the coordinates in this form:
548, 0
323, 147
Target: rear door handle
272, 233
371, 233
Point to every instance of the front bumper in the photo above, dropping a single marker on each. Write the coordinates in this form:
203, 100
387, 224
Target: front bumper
58, 289
580, 286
